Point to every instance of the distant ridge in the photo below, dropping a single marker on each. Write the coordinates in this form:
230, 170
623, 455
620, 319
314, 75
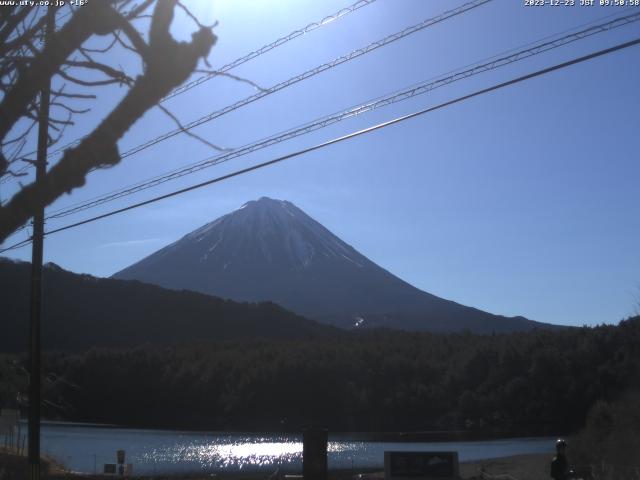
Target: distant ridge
81, 311
271, 250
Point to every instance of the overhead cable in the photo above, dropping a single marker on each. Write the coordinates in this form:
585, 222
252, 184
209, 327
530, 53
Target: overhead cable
349, 136
270, 46
401, 95
308, 74
235, 63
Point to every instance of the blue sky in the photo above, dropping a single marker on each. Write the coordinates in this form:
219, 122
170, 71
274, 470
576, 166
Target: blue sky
520, 202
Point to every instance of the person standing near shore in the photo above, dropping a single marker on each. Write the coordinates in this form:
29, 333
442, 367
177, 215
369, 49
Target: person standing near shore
559, 463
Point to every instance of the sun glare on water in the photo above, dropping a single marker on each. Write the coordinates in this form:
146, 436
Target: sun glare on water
237, 455
240, 454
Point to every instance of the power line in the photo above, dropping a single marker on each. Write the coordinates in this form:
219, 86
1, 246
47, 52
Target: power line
308, 74
17, 245
266, 48
235, 63
401, 95
298, 78
40, 41
305, 75
364, 131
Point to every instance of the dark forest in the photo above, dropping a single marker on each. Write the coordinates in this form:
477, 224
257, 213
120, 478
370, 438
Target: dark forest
540, 382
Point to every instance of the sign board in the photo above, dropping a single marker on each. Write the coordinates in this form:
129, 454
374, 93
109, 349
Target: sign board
420, 465
110, 468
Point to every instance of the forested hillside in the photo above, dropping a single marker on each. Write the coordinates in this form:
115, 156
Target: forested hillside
527, 383
82, 311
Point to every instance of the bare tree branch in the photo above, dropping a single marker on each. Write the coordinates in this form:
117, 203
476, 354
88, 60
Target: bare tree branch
194, 18
87, 83
92, 18
28, 33
117, 75
138, 10
101, 50
189, 132
83, 96
12, 22
233, 77
168, 64
69, 109
21, 136
139, 45
57, 138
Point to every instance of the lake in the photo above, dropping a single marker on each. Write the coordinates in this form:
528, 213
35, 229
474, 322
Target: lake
85, 448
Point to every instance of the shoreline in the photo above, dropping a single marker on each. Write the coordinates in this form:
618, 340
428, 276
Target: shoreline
513, 467
407, 436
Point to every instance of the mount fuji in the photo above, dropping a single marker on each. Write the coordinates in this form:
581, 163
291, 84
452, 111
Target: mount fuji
271, 250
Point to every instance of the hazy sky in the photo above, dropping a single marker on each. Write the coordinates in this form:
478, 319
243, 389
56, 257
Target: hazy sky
520, 202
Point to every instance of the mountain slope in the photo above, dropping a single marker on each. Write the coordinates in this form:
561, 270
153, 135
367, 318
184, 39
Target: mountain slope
271, 250
81, 311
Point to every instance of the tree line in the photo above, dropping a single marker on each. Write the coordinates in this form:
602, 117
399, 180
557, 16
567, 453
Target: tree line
539, 382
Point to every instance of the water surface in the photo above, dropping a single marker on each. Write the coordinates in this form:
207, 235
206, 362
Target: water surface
86, 448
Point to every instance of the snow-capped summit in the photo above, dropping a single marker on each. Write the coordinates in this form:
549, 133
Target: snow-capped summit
265, 231
271, 250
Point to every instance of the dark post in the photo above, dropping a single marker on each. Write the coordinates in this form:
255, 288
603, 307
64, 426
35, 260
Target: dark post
35, 370
314, 454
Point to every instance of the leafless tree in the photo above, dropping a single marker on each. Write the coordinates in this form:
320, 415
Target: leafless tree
27, 62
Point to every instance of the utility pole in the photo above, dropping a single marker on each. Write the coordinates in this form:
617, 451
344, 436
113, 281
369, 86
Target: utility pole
35, 344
